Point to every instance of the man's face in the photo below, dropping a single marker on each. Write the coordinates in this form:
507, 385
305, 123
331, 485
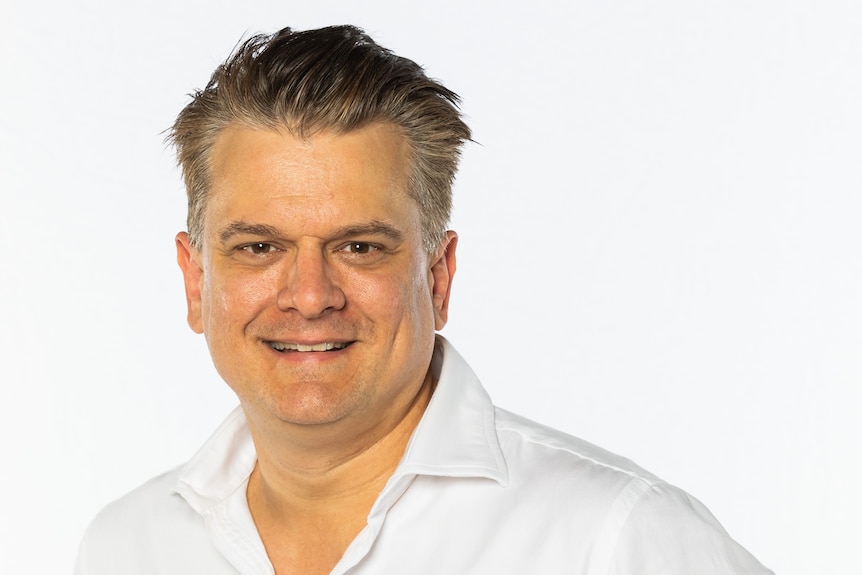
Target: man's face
316, 297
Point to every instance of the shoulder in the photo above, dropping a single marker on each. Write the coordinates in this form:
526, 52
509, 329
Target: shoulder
556, 453
132, 532
634, 521
140, 507
581, 488
669, 531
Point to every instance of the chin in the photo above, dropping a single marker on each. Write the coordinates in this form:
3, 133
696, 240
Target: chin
315, 404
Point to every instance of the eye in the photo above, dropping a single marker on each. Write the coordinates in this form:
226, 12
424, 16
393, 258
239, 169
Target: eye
258, 248
359, 248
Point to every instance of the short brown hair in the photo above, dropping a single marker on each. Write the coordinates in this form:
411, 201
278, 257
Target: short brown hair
335, 78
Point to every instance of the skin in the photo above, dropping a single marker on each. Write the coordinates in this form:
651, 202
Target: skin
308, 242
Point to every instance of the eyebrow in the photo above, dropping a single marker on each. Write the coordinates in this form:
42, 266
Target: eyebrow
243, 228
373, 228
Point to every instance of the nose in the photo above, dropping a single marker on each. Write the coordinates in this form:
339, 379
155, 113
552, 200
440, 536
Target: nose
308, 286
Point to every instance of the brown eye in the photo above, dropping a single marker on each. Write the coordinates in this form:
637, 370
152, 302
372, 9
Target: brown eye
359, 248
258, 248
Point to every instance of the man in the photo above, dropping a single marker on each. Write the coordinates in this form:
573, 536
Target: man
318, 266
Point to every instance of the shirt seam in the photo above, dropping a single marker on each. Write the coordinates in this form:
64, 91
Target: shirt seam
650, 482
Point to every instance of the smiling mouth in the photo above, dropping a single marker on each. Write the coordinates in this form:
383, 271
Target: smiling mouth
326, 346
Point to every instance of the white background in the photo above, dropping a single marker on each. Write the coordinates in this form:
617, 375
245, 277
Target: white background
660, 245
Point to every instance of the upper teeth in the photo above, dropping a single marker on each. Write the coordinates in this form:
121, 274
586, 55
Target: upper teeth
300, 347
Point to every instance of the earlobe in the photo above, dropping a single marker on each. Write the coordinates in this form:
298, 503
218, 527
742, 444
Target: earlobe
189, 260
442, 272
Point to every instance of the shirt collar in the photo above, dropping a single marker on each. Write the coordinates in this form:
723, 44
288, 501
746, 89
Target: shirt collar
456, 437
221, 466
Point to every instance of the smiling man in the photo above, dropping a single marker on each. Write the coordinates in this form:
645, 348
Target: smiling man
318, 266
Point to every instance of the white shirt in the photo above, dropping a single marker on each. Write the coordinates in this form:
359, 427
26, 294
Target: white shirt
478, 491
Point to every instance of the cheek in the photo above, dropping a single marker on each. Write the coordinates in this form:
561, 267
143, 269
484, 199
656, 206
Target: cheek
387, 300
231, 300
412, 293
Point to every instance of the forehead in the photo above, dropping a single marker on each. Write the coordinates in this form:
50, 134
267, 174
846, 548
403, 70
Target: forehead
376, 150
259, 173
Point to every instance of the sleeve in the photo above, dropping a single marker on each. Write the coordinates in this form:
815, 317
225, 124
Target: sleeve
668, 532
81, 561
95, 546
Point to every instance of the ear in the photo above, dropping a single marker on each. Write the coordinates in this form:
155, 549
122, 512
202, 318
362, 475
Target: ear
441, 274
189, 259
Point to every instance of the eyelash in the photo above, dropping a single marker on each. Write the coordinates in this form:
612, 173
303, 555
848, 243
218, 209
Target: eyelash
360, 247
261, 248
264, 247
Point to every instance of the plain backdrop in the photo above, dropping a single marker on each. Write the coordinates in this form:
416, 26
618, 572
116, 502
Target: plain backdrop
660, 245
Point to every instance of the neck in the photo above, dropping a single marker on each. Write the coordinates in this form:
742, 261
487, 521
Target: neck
304, 472
312, 489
